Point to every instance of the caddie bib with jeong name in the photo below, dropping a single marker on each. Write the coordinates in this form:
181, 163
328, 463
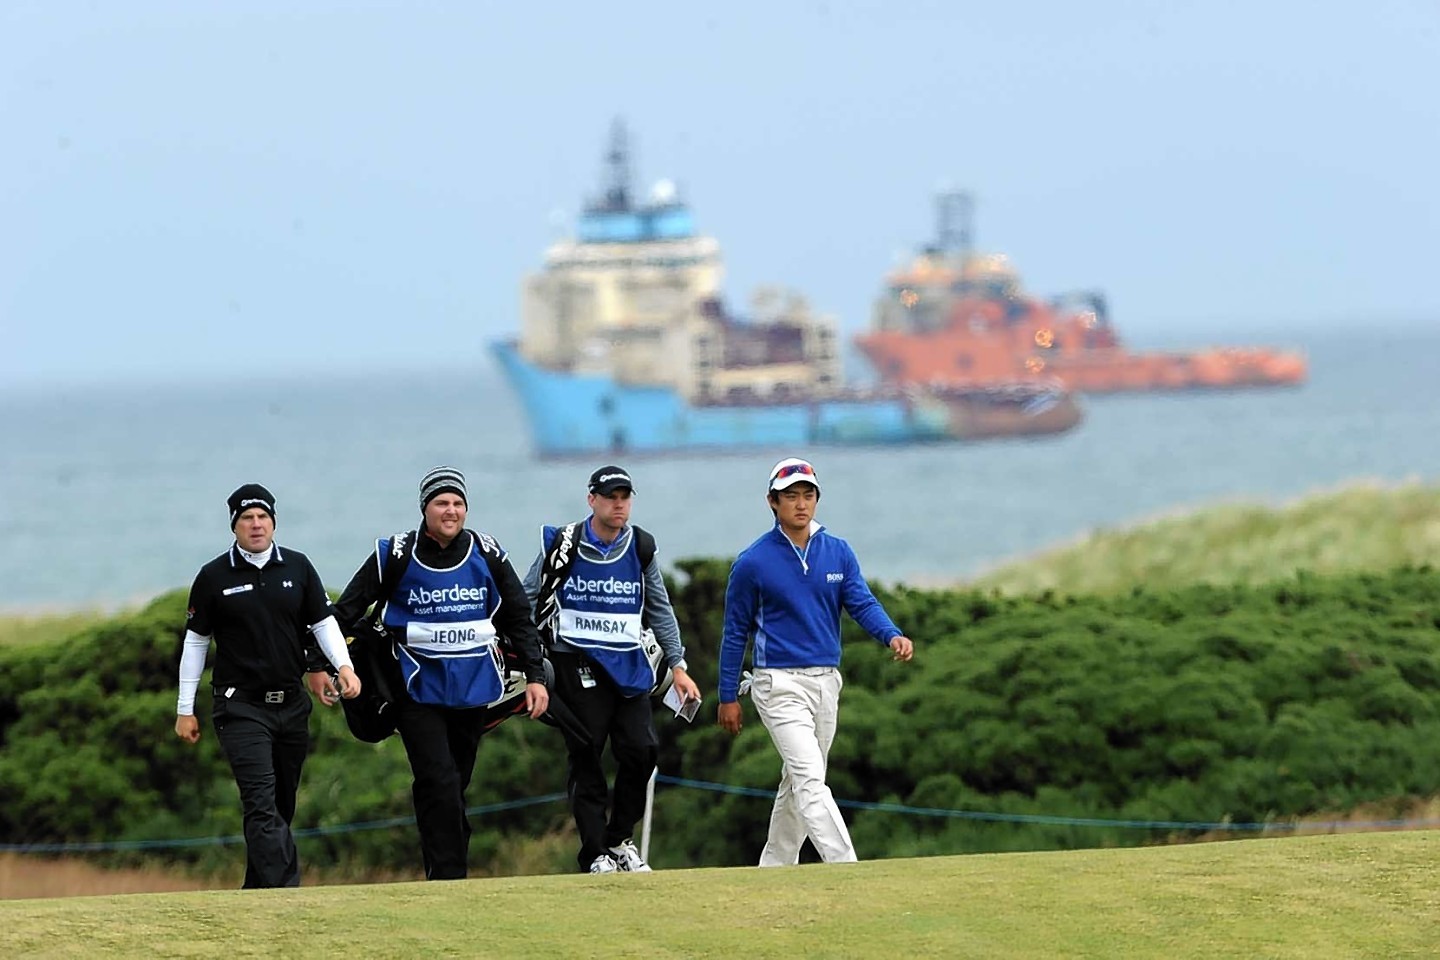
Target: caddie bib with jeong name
450, 655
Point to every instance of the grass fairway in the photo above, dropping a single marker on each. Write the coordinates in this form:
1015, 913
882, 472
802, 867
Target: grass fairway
1366, 895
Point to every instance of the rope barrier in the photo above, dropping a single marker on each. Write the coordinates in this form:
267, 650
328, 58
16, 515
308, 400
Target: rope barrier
1064, 821
977, 815
114, 845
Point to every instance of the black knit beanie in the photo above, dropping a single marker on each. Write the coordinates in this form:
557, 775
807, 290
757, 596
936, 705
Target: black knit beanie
250, 495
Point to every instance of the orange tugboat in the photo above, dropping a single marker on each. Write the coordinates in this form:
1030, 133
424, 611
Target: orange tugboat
956, 317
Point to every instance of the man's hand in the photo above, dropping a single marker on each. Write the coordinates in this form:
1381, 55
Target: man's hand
902, 647
320, 685
728, 716
349, 683
684, 685
537, 700
187, 728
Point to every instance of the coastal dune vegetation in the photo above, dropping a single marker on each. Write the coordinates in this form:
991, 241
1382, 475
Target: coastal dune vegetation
1236, 672
1368, 527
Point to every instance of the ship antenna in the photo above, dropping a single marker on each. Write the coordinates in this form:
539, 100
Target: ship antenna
954, 217
617, 168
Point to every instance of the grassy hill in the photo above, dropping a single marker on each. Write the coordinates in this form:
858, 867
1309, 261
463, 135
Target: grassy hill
20, 631
1370, 895
1363, 528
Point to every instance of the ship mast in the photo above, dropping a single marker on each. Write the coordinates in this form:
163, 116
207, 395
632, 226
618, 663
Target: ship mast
617, 170
954, 224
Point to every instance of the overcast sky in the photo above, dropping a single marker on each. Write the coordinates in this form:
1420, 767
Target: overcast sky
198, 189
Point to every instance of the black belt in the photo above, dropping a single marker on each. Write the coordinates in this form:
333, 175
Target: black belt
273, 698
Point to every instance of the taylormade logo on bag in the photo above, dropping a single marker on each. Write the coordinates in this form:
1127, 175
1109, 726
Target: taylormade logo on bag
452, 594
610, 585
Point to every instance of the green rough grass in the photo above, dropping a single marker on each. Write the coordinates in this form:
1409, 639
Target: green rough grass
1363, 528
20, 630
1370, 895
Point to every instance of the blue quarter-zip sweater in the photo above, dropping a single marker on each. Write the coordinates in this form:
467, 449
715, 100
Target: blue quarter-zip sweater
789, 601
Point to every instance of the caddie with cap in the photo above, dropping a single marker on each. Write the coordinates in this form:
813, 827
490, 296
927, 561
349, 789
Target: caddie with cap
456, 617
597, 587
785, 595
257, 601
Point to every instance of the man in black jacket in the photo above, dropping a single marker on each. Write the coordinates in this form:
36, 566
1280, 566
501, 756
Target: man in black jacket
257, 602
455, 616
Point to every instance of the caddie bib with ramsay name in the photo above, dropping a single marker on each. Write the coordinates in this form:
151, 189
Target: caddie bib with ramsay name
601, 602
450, 655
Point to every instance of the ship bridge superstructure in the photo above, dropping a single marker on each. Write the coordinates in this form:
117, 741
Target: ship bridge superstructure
636, 294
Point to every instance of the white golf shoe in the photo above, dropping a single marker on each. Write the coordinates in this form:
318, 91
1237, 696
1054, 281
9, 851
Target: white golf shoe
628, 859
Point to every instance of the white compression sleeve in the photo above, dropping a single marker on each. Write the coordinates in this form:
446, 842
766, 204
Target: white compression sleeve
332, 642
192, 665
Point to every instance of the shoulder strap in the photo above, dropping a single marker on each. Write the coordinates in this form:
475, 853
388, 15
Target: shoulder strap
486, 544
402, 548
644, 546
645, 551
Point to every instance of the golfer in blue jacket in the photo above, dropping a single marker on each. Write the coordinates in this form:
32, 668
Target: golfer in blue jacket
786, 592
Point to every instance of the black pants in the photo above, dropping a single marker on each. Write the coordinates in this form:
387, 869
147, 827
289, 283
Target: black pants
628, 724
441, 743
266, 746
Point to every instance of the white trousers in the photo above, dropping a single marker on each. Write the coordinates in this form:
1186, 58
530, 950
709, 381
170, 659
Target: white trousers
799, 707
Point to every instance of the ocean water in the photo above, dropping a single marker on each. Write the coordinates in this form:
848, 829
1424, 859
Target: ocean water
111, 495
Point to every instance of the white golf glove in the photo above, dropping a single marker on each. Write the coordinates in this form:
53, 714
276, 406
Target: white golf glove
745, 680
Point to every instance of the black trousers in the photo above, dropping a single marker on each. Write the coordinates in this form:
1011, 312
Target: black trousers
628, 724
266, 746
441, 743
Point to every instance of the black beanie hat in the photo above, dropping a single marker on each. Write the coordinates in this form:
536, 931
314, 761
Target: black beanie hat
441, 480
250, 495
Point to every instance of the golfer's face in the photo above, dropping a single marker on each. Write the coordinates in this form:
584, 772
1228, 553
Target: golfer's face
795, 506
254, 530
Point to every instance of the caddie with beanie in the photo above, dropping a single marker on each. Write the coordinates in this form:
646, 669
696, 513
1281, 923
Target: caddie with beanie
455, 618
441, 480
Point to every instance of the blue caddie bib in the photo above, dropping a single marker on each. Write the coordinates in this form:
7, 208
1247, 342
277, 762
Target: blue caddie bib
449, 653
600, 606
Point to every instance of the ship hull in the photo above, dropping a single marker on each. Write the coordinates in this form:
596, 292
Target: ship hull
1011, 411
947, 357
575, 414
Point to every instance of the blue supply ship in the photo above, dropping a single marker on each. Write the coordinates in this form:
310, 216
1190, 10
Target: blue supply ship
626, 347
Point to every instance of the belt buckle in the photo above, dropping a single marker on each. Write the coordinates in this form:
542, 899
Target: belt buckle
274, 696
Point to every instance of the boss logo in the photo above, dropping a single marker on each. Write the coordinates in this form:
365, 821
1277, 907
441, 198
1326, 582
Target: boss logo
834, 577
